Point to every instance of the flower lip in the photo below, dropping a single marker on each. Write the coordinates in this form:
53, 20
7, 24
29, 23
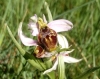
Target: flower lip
48, 38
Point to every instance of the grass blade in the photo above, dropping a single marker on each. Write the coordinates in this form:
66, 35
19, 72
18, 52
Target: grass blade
87, 73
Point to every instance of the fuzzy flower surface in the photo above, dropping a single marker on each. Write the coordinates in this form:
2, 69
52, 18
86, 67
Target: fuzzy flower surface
48, 39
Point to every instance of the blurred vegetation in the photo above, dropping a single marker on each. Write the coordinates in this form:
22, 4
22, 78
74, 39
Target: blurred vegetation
84, 37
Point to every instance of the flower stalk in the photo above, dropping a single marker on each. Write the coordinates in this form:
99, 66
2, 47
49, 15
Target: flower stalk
61, 67
16, 43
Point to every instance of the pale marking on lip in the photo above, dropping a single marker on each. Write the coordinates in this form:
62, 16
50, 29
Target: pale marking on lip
50, 38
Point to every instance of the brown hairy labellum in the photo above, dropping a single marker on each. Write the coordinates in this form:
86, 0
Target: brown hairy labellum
47, 38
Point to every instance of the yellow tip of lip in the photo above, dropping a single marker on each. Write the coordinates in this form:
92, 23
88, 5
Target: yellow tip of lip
52, 49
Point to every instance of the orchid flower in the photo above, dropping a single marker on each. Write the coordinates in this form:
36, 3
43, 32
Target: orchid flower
46, 34
48, 39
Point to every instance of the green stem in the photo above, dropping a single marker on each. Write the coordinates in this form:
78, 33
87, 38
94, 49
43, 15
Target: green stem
61, 67
16, 43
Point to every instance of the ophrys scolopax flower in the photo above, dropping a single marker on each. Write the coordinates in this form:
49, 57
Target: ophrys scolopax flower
46, 35
48, 39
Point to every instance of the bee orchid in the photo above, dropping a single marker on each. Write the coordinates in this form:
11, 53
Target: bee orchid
48, 39
46, 34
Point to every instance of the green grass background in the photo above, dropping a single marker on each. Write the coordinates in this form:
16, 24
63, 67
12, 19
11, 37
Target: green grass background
84, 37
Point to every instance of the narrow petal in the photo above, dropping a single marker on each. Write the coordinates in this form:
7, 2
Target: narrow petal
34, 18
33, 27
69, 59
25, 40
44, 18
51, 69
60, 25
62, 41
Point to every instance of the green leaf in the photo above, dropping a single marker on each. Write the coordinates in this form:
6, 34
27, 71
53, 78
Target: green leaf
16, 43
2, 33
87, 73
48, 11
76, 8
